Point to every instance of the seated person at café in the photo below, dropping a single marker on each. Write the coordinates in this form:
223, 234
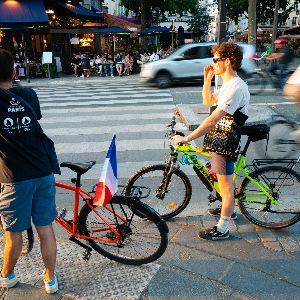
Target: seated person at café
76, 61
100, 62
119, 64
109, 65
86, 66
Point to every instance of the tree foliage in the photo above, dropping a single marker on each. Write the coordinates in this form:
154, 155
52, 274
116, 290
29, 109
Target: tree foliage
172, 6
264, 10
200, 21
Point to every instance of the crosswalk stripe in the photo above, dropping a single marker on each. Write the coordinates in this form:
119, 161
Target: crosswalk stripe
161, 107
110, 96
110, 102
94, 147
103, 118
107, 129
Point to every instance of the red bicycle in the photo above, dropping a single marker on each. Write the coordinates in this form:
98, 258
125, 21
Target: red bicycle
117, 231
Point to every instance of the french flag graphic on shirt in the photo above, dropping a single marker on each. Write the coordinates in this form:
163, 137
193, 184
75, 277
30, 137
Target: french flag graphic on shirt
108, 182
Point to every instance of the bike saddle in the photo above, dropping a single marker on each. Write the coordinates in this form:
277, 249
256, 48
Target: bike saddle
256, 132
80, 168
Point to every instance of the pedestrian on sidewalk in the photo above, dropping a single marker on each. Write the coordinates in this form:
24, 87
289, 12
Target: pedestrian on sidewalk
26, 178
230, 103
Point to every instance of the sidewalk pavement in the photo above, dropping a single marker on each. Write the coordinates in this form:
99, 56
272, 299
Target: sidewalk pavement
253, 263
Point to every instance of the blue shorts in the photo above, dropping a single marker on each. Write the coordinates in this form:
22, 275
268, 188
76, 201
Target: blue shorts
220, 165
19, 201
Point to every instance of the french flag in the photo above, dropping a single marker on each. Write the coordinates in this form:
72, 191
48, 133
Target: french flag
108, 182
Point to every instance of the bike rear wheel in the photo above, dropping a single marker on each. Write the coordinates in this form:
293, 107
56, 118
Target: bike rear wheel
176, 197
284, 184
143, 240
280, 145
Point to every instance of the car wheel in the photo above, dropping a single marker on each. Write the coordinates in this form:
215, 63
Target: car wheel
163, 80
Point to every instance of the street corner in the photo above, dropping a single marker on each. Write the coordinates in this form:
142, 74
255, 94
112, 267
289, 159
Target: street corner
98, 278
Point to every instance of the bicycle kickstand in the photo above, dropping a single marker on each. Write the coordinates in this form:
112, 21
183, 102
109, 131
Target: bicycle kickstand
88, 250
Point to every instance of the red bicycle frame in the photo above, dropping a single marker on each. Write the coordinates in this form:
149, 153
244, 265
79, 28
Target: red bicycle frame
73, 228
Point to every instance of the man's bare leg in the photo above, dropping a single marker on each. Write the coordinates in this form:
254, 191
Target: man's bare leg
48, 250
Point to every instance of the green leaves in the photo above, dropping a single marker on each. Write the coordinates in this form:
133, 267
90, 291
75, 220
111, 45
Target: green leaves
200, 22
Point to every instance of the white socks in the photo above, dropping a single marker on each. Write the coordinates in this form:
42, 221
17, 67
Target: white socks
223, 224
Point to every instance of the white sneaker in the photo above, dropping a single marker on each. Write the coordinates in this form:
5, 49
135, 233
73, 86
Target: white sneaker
51, 287
112, 75
82, 76
8, 282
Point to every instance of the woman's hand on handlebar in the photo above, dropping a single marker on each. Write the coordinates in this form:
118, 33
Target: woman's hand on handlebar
178, 139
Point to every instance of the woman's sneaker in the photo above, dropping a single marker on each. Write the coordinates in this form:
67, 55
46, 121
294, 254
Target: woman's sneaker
213, 234
216, 212
8, 282
51, 287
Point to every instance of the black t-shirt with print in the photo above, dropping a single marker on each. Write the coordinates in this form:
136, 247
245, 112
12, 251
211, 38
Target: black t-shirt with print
22, 155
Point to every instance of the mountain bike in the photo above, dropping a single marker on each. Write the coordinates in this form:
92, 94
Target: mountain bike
115, 231
267, 197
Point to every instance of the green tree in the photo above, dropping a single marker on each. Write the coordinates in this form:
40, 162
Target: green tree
200, 22
144, 8
264, 10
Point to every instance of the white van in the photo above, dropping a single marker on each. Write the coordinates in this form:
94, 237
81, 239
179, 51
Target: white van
187, 63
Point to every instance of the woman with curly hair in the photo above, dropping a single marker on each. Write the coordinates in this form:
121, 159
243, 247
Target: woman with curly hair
231, 103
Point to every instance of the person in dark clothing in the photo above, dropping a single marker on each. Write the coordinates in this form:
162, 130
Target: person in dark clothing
76, 61
280, 60
26, 178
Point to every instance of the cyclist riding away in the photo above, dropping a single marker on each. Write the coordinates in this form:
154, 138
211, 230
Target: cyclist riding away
282, 56
232, 98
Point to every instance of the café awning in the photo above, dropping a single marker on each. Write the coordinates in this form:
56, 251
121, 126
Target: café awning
113, 30
25, 14
153, 30
77, 10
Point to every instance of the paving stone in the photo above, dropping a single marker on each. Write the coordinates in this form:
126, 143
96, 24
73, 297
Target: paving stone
288, 243
266, 236
273, 245
171, 283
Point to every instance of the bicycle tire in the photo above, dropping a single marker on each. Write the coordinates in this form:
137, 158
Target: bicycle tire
153, 228
28, 240
276, 177
151, 177
276, 149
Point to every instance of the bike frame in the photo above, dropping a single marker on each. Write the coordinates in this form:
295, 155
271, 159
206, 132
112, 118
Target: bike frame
73, 229
241, 165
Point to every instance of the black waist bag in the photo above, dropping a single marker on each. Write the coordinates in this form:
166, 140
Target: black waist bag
224, 138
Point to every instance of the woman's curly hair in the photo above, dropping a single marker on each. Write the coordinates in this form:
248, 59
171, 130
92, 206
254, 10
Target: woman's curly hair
232, 51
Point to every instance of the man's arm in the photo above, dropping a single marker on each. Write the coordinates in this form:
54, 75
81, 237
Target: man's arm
207, 96
203, 128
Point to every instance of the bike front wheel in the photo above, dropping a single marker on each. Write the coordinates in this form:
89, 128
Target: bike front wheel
143, 240
177, 193
284, 185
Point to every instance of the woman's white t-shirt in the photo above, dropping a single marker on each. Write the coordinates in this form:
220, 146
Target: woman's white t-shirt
233, 95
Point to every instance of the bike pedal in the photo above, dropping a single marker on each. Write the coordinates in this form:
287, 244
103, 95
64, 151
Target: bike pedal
212, 198
87, 255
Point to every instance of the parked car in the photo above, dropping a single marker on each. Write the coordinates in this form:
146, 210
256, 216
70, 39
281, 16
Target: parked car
187, 63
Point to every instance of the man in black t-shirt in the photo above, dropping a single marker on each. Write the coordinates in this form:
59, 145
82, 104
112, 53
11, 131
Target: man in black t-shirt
27, 182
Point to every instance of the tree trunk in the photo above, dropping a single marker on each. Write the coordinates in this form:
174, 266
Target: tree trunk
252, 22
143, 22
275, 24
